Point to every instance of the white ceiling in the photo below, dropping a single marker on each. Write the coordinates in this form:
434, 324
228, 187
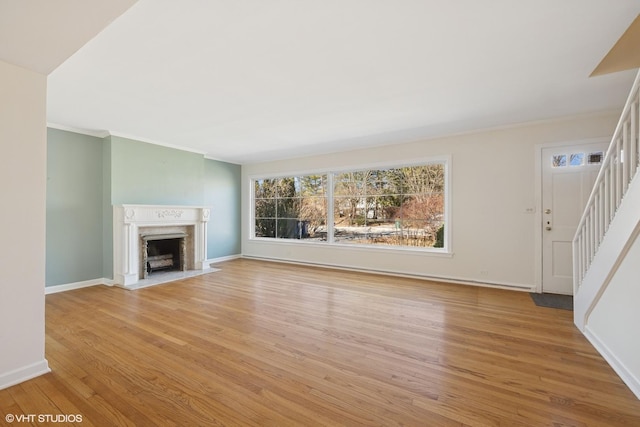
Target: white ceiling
253, 80
39, 35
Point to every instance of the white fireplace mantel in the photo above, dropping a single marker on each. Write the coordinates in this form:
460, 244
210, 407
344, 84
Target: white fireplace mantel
128, 219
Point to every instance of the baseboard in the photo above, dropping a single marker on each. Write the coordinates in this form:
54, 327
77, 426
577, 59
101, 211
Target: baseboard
223, 258
618, 366
77, 285
23, 374
453, 280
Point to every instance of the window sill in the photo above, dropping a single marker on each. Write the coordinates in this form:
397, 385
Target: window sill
437, 252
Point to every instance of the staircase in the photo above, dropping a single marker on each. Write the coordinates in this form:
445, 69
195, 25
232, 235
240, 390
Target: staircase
606, 252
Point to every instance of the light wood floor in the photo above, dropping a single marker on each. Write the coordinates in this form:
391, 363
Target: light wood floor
262, 343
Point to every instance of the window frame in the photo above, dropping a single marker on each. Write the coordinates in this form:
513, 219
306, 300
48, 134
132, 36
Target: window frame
253, 198
446, 161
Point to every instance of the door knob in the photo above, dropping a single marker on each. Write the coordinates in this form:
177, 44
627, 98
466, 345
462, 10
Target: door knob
548, 228
547, 211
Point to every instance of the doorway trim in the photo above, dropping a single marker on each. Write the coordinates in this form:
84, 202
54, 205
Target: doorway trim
537, 231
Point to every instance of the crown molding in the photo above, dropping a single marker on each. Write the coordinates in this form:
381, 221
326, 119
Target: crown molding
89, 132
155, 142
106, 133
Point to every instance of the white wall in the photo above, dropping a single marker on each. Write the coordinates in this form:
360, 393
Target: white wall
22, 223
493, 184
611, 327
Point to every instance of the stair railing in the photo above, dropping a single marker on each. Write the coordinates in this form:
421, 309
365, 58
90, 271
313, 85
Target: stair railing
619, 166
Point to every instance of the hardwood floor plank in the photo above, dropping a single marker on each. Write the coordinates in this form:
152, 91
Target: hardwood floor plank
261, 343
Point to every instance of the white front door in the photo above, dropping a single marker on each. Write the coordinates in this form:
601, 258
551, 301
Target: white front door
568, 175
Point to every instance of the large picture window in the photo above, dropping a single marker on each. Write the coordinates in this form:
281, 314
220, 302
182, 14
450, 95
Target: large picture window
394, 207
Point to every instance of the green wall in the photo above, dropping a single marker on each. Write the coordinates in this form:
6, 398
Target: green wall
223, 195
147, 174
74, 233
87, 175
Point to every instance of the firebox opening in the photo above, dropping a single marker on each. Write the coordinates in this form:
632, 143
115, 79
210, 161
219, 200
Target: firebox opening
163, 253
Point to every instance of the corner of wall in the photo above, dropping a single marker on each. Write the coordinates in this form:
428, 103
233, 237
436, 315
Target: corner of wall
107, 211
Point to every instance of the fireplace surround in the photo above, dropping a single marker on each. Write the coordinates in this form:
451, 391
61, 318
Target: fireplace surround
135, 225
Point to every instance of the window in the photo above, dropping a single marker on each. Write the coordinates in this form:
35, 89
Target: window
576, 159
392, 207
399, 206
291, 207
559, 160
596, 158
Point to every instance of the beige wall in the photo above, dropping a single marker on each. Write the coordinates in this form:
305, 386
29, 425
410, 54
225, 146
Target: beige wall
493, 184
22, 223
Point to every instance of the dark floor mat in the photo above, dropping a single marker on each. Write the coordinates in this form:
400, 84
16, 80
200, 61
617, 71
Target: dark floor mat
563, 302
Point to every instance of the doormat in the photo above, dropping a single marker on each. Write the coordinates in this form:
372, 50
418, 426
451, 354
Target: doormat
563, 302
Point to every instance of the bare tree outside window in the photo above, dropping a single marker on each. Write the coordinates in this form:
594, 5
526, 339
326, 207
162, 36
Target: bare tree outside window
399, 206
291, 207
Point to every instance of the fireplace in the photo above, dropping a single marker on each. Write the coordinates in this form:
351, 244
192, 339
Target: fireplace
152, 239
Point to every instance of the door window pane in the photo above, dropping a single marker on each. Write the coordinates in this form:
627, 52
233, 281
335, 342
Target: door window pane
559, 160
576, 159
